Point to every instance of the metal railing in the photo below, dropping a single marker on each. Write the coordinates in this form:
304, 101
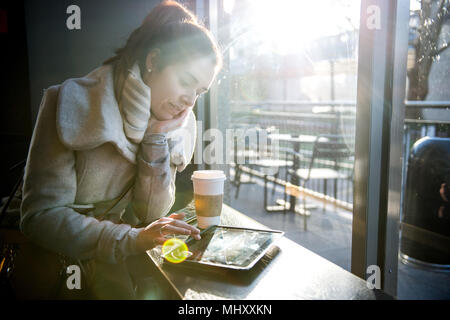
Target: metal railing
330, 117
294, 118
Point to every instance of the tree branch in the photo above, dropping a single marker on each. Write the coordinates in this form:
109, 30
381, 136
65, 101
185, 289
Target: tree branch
440, 50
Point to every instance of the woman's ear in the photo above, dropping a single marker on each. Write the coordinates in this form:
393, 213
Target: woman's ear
152, 59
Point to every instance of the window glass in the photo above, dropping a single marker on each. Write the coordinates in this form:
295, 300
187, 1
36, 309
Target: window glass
286, 108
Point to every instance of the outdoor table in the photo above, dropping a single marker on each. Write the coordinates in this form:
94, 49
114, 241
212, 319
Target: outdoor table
287, 271
303, 138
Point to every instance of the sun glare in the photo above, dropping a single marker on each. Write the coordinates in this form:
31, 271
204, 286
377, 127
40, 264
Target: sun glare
286, 26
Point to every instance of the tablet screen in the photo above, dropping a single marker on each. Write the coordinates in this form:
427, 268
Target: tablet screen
231, 247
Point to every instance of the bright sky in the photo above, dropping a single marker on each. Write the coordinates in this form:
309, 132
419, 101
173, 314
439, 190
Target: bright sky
288, 25
414, 5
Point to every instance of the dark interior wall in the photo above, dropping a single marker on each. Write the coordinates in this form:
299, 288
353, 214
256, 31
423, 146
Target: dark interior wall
57, 53
15, 119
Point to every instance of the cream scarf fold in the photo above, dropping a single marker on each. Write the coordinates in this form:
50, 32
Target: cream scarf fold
135, 105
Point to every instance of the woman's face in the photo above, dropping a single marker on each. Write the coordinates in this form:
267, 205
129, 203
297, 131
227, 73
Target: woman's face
178, 86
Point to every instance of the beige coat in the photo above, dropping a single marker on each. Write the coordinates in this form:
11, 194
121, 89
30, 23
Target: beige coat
81, 159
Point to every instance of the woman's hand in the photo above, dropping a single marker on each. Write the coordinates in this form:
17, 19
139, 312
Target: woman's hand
163, 126
155, 232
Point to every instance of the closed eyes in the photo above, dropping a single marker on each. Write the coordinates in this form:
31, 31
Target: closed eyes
195, 81
187, 84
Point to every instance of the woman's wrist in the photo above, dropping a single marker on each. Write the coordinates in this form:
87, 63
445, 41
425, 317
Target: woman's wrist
155, 129
139, 244
143, 242
155, 126
128, 246
133, 235
155, 138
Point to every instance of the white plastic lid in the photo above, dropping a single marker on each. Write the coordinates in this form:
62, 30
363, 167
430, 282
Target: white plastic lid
208, 174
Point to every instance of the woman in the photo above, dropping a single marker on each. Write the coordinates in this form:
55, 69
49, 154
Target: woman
106, 147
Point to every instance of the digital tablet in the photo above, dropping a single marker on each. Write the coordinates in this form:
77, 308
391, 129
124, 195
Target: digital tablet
229, 247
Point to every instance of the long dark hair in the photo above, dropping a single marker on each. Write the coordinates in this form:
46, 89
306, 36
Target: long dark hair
174, 30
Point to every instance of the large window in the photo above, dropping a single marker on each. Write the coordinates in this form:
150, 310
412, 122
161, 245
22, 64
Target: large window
286, 99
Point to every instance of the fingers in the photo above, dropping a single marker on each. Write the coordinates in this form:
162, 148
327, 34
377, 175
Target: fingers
177, 215
184, 113
181, 224
180, 227
181, 117
168, 229
177, 121
157, 126
156, 232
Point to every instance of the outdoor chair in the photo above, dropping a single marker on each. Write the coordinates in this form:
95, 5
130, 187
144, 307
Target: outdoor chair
243, 155
270, 165
323, 163
257, 158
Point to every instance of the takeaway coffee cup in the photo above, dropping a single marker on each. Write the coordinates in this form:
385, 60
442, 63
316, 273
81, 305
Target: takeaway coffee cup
208, 196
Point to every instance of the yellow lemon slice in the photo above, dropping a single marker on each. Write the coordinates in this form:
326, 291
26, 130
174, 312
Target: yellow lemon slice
175, 250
